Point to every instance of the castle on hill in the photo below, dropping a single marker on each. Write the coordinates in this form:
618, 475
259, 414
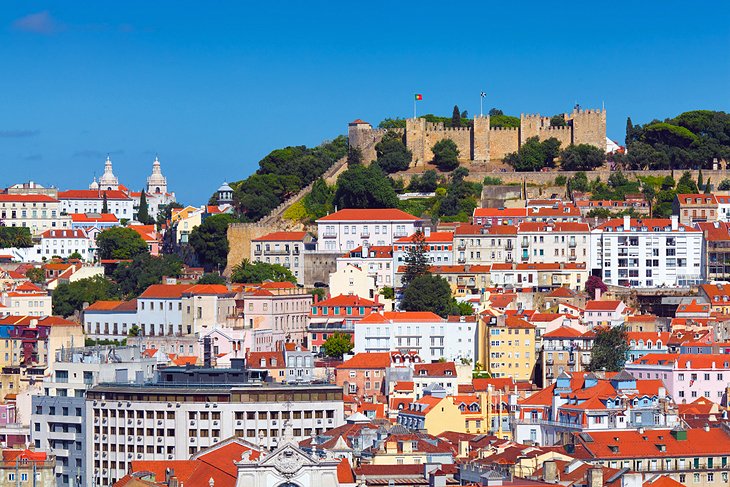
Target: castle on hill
481, 142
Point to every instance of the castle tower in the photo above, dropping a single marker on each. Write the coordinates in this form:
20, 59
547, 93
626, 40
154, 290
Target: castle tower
108, 182
156, 182
531, 125
589, 127
415, 139
480, 139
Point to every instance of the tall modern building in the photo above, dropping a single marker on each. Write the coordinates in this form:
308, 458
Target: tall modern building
58, 423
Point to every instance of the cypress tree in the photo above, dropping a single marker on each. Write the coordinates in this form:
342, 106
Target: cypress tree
456, 117
143, 213
416, 259
105, 204
707, 186
700, 182
629, 131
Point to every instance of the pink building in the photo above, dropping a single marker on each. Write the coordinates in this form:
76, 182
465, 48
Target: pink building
276, 316
604, 313
687, 376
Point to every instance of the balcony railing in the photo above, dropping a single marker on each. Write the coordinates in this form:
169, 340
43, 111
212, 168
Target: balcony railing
329, 234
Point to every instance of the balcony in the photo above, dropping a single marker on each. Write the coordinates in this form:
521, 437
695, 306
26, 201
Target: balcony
329, 235
461, 246
462, 260
400, 233
525, 243
365, 234
509, 245
571, 244
572, 257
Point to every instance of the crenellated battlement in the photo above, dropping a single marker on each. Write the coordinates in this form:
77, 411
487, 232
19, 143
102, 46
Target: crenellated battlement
481, 141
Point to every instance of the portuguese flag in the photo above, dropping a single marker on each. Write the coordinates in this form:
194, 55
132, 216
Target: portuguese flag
419, 97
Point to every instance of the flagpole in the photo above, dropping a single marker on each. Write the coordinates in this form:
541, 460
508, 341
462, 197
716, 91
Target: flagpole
414, 107
481, 105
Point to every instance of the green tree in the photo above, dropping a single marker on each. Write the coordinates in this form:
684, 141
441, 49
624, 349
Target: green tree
700, 181
70, 297
364, 187
708, 186
120, 243
533, 155
318, 202
354, 156
134, 331
319, 292
104, 204
557, 121
429, 293
579, 182
668, 183
143, 213
392, 154
36, 275
393, 123
495, 112
18, 237
724, 185
492, 181
427, 183
212, 278
582, 157
456, 117
629, 131
416, 260
445, 155
687, 185
465, 308
164, 213
210, 241
610, 348
255, 272
649, 195
388, 293
337, 345
75, 256
145, 270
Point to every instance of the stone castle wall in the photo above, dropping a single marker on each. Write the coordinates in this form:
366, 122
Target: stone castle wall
481, 142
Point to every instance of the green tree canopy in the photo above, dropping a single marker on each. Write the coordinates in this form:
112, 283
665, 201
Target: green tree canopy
456, 117
318, 202
18, 237
164, 212
120, 243
143, 212
533, 155
416, 260
557, 121
392, 154
354, 156
337, 345
36, 275
255, 272
582, 157
70, 297
686, 184
210, 241
212, 278
364, 187
445, 155
426, 183
429, 293
610, 349
144, 270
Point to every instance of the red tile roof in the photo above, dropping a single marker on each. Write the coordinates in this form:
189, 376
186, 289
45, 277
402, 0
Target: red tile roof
27, 198
563, 332
92, 194
373, 214
371, 360
663, 224
602, 305
164, 291
65, 233
94, 217
401, 316
500, 212
633, 444
347, 300
437, 369
433, 238
556, 227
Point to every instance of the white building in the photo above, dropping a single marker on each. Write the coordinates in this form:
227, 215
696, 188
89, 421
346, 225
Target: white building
110, 320
480, 245
92, 201
376, 261
283, 248
610, 313
160, 310
438, 247
64, 243
541, 242
39, 212
172, 423
26, 299
647, 252
430, 336
348, 229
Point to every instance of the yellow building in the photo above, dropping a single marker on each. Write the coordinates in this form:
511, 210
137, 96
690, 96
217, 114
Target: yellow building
484, 412
509, 347
185, 220
409, 449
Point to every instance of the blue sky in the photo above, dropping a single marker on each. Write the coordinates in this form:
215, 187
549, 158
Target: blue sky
214, 86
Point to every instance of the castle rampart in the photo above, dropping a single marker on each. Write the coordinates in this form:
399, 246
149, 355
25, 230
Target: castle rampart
481, 142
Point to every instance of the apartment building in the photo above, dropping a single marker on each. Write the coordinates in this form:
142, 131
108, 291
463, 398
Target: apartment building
510, 348
686, 376
553, 242
430, 336
647, 252
119, 203
64, 243
695, 208
110, 320
38, 212
58, 415
277, 315
338, 314
348, 229
26, 299
127, 423
565, 349
438, 247
283, 248
206, 305
480, 245
716, 252
611, 313
540, 276
376, 261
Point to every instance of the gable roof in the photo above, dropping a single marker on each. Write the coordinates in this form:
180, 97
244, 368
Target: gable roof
371, 214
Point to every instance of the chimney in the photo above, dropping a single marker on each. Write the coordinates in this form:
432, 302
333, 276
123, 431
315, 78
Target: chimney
550, 471
627, 223
595, 477
675, 222
426, 232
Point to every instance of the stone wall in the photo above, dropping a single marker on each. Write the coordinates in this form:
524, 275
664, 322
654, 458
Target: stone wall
502, 141
240, 236
318, 266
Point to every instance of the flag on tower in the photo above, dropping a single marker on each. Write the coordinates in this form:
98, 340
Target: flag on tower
483, 94
419, 97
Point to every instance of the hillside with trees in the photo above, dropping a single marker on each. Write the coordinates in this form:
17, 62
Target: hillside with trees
687, 141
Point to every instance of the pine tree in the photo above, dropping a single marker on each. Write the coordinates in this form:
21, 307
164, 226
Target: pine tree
143, 213
707, 186
105, 205
456, 117
416, 259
